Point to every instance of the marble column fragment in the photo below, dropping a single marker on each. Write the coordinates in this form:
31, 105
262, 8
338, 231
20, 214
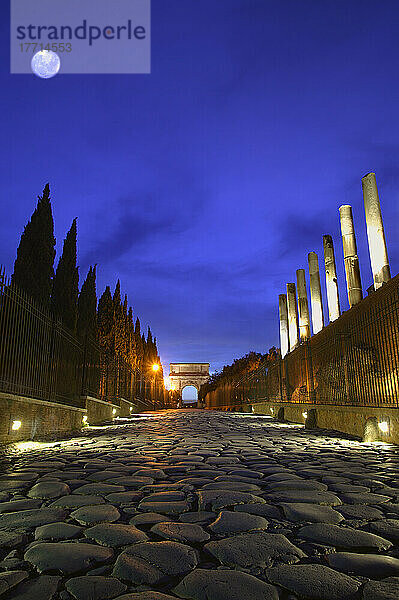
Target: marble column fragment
315, 293
351, 258
331, 278
375, 232
284, 339
292, 306
303, 306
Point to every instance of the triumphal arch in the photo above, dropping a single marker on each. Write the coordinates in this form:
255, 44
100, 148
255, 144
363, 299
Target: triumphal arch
183, 374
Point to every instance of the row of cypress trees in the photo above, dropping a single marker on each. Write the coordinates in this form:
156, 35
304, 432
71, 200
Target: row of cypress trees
120, 335
111, 323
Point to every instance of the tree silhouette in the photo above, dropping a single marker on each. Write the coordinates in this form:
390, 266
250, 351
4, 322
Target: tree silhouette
87, 305
119, 322
34, 265
120, 337
105, 322
232, 374
64, 297
137, 328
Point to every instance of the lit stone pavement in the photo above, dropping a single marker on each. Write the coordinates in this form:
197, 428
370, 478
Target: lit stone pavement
200, 505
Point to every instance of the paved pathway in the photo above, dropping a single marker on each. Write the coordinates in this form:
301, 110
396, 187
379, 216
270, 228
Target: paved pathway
204, 506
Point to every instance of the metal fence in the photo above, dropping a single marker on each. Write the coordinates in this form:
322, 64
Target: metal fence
118, 379
354, 361
40, 358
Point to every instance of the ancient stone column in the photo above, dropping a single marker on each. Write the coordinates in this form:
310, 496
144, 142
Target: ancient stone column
292, 315
375, 232
351, 258
315, 293
284, 339
303, 306
331, 278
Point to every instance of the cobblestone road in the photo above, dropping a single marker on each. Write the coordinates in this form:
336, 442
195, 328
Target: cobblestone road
204, 506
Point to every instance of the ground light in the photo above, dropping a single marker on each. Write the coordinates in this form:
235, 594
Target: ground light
305, 415
84, 419
27, 446
383, 426
114, 411
16, 425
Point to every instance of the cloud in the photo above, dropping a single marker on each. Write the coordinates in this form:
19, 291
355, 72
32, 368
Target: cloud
131, 229
300, 234
136, 220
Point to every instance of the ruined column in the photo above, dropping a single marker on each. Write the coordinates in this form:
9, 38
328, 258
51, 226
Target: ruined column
375, 232
331, 278
292, 316
315, 293
284, 340
351, 258
304, 321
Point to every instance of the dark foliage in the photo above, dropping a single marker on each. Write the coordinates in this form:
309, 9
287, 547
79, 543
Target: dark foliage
87, 307
105, 322
111, 324
241, 366
64, 297
34, 265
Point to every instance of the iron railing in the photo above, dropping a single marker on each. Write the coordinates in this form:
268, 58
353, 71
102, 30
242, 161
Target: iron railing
354, 361
40, 358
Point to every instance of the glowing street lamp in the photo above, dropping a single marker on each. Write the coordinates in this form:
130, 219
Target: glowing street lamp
155, 367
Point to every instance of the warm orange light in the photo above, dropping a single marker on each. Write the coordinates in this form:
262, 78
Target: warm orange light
155, 367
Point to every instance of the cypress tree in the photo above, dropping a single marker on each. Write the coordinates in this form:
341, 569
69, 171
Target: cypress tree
137, 328
152, 351
131, 346
64, 296
34, 265
87, 305
117, 293
144, 345
139, 344
119, 321
105, 322
126, 331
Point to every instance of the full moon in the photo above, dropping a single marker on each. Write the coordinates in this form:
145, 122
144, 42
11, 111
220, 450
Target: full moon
45, 64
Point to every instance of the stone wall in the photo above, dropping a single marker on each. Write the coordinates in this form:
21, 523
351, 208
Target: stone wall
38, 418
359, 421
99, 411
127, 408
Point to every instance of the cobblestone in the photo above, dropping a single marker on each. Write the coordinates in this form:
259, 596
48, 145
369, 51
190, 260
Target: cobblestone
200, 505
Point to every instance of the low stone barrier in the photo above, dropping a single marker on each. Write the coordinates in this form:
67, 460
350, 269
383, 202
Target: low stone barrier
27, 418
23, 418
368, 423
99, 411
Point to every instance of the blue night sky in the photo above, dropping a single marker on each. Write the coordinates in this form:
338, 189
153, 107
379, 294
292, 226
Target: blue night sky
204, 185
